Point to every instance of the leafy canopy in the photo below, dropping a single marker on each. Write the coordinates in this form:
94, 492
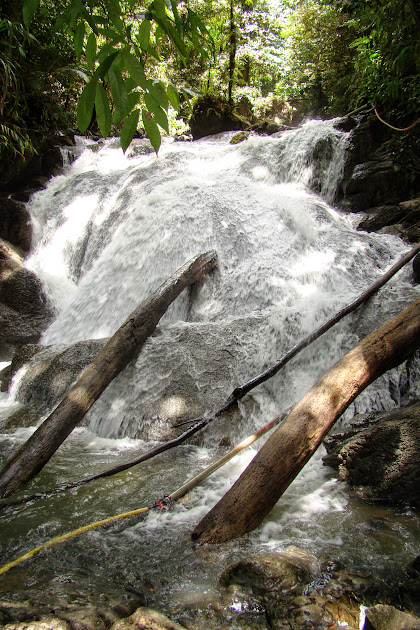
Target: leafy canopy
118, 46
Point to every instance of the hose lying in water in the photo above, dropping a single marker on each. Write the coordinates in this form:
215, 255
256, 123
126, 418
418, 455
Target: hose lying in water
159, 504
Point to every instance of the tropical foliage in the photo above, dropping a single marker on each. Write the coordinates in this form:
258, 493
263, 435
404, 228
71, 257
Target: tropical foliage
116, 65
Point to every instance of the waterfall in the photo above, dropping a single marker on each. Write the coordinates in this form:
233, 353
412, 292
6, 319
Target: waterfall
113, 227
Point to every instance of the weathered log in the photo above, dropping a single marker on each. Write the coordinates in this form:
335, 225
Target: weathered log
285, 453
122, 348
238, 392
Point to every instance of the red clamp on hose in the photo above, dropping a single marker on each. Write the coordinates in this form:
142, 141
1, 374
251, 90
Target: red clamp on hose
161, 504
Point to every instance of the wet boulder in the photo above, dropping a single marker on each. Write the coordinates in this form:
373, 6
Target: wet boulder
265, 573
416, 269
380, 457
383, 617
146, 619
15, 223
24, 307
51, 370
377, 218
294, 591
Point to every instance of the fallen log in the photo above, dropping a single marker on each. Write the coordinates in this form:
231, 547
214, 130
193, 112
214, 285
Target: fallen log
285, 453
238, 392
122, 348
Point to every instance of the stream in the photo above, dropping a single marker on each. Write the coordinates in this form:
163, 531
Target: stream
108, 232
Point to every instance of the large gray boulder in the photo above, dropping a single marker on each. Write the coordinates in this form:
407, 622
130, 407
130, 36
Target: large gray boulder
24, 307
379, 455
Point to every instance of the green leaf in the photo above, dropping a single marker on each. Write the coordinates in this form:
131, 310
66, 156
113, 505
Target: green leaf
155, 109
75, 11
119, 95
116, 20
29, 9
86, 103
154, 54
144, 34
157, 89
173, 96
79, 36
160, 8
90, 19
114, 36
134, 69
151, 129
103, 112
189, 93
132, 100
91, 51
106, 64
129, 128
178, 22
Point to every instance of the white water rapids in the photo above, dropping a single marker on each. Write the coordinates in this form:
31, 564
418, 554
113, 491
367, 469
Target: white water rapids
108, 232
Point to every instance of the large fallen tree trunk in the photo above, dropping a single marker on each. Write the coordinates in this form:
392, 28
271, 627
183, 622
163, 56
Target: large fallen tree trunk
236, 395
122, 348
285, 453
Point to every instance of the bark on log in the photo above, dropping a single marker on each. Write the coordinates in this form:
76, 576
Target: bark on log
235, 396
122, 348
285, 453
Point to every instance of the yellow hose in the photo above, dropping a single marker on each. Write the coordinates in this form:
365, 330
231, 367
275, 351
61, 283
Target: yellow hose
172, 497
63, 537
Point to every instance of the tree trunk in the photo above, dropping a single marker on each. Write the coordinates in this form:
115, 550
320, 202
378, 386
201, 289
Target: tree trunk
124, 346
232, 52
285, 453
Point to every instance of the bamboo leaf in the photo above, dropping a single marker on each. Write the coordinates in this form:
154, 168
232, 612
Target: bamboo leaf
143, 35
106, 64
119, 95
129, 128
29, 9
91, 51
157, 89
155, 109
86, 103
132, 100
134, 69
151, 129
103, 112
173, 96
79, 36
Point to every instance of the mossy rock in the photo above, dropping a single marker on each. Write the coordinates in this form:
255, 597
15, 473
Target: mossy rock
213, 114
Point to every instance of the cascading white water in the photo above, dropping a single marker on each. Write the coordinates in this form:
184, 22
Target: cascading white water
113, 228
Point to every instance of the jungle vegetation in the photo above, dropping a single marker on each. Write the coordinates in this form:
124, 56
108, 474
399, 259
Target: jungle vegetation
116, 65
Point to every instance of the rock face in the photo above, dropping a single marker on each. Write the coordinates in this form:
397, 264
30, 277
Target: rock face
212, 115
26, 175
24, 308
15, 223
381, 181
381, 460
